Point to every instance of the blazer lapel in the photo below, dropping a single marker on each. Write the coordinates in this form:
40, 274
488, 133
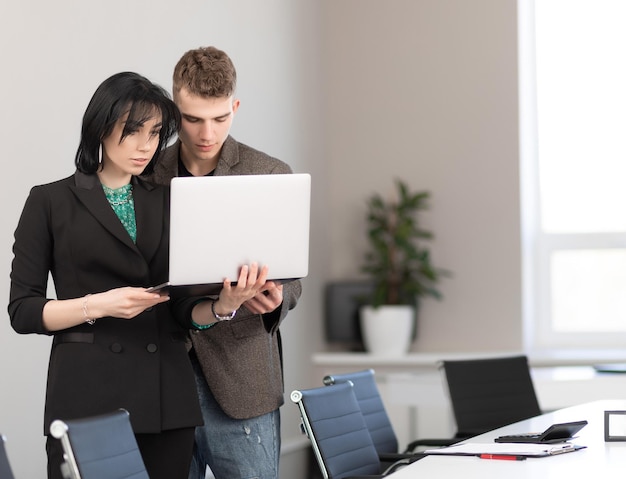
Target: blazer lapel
151, 206
89, 192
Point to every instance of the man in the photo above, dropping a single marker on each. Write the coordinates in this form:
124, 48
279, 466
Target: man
238, 363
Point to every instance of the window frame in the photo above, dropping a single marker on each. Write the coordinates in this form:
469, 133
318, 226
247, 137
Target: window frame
538, 245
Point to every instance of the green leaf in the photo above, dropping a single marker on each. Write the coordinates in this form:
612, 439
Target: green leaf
397, 259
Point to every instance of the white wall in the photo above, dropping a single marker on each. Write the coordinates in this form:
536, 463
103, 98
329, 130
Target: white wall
427, 91
54, 55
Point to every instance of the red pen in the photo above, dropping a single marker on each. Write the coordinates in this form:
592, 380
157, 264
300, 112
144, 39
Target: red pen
503, 457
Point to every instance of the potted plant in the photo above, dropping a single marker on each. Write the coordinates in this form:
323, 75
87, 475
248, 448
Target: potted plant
400, 267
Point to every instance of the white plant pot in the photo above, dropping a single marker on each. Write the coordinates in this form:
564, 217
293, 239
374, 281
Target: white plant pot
387, 330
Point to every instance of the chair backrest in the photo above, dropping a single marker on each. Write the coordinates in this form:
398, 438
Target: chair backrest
372, 407
5, 467
100, 447
332, 420
490, 393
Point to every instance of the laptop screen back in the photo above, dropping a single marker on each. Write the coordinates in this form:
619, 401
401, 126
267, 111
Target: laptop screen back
219, 223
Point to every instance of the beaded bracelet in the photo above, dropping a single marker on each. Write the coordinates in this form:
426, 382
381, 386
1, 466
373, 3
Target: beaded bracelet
202, 327
219, 317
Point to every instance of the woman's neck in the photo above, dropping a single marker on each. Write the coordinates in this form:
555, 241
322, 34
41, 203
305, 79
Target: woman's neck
113, 181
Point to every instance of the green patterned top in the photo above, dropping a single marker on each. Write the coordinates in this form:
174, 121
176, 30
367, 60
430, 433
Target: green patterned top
121, 200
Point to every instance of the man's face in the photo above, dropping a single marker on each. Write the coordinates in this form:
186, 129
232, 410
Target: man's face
205, 125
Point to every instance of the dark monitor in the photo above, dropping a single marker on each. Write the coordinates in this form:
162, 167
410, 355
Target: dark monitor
342, 302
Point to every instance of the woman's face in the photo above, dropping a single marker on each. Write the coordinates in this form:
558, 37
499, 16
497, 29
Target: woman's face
122, 159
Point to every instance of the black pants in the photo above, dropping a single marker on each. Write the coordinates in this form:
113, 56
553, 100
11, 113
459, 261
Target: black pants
167, 455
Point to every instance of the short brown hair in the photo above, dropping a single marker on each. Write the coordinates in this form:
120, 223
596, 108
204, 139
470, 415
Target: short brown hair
205, 72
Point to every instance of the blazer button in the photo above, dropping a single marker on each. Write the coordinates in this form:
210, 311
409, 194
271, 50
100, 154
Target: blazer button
116, 348
151, 348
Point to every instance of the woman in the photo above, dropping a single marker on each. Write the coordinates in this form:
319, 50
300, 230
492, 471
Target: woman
103, 234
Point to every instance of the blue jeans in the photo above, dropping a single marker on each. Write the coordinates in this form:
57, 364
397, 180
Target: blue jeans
233, 448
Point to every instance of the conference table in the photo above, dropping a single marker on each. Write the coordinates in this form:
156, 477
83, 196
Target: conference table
599, 459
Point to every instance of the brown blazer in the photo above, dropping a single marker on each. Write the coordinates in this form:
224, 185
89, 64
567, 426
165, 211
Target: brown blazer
69, 228
241, 359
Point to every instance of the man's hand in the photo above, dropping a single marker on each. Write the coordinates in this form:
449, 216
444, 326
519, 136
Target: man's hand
251, 282
267, 300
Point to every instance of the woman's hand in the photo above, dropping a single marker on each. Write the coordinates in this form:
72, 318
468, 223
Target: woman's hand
125, 303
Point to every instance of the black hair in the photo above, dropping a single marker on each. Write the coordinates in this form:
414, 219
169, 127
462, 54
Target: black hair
121, 94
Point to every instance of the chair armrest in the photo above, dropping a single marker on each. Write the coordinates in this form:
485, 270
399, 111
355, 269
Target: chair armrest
431, 442
393, 457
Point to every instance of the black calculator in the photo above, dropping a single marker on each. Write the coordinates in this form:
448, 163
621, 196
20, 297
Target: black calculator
556, 433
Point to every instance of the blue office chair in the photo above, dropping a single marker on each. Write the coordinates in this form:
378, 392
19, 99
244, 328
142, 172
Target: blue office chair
377, 419
99, 447
372, 408
332, 420
5, 466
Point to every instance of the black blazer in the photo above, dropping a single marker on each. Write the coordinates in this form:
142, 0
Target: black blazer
69, 229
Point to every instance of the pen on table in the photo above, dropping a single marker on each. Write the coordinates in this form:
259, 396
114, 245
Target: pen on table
503, 457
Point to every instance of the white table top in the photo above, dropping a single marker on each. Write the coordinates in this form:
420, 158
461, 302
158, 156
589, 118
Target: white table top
599, 460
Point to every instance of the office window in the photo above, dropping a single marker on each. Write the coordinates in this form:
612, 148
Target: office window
573, 154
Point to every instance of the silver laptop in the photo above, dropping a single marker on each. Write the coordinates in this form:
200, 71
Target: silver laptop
219, 223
